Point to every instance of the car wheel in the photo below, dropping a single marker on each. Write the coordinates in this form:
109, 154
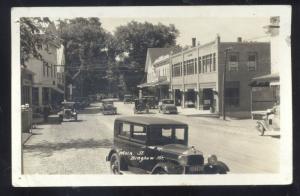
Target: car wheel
161, 171
115, 164
261, 129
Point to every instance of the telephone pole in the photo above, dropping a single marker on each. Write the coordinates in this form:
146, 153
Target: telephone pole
224, 84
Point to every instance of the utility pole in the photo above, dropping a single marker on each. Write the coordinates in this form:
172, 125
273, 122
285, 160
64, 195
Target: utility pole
224, 84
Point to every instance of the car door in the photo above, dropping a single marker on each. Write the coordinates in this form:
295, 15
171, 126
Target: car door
122, 141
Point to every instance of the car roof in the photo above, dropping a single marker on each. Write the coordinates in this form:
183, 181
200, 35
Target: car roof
109, 99
149, 120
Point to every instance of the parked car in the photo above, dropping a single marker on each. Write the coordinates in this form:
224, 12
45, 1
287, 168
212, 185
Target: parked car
151, 101
154, 145
270, 121
108, 107
68, 111
167, 106
189, 104
140, 106
128, 99
81, 102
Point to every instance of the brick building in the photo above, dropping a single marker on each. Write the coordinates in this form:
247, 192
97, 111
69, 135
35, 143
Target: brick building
197, 75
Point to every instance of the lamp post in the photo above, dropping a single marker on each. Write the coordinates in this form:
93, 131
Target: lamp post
224, 83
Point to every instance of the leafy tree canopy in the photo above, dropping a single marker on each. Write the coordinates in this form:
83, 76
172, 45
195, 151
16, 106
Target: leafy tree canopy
134, 39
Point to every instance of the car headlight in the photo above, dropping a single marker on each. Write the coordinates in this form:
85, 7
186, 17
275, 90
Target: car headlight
183, 160
212, 160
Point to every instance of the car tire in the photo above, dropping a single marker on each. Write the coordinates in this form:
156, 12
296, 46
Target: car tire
115, 164
160, 171
261, 129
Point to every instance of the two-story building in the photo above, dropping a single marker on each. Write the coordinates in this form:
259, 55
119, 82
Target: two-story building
157, 69
48, 73
197, 75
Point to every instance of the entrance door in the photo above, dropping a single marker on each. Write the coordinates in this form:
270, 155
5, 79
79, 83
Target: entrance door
177, 97
208, 98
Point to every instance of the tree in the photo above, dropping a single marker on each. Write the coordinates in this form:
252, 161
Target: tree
86, 60
134, 39
33, 33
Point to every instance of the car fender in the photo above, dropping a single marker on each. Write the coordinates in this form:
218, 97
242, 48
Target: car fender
123, 164
169, 167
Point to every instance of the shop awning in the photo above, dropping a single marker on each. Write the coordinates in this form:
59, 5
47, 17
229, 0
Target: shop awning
266, 80
153, 84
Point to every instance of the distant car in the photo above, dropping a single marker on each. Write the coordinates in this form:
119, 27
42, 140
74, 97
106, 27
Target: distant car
167, 106
128, 99
68, 111
189, 104
108, 107
151, 145
140, 106
81, 102
151, 101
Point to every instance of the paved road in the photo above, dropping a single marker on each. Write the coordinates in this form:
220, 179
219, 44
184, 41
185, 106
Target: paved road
81, 147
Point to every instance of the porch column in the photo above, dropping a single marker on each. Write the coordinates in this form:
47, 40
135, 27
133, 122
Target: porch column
198, 99
40, 96
50, 96
183, 98
200, 95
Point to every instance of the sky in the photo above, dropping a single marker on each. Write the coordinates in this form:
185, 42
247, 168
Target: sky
204, 29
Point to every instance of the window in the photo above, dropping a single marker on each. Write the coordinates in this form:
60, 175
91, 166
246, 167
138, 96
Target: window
139, 132
190, 67
233, 63
35, 96
44, 68
209, 62
199, 65
125, 129
214, 62
176, 70
195, 68
47, 69
252, 61
167, 133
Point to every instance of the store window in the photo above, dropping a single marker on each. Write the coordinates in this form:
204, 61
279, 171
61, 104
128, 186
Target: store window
190, 67
176, 70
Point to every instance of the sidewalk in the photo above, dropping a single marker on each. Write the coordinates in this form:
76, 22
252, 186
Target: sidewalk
25, 137
196, 112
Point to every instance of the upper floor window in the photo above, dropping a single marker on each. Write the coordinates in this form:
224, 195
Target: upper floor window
199, 65
214, 62
252, 61
190, 67
233, 62
176, 70
195, 66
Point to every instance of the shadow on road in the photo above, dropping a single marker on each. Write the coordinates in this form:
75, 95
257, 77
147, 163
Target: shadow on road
92, 110
46, 148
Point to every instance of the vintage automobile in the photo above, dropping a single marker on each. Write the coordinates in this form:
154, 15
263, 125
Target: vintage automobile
108, 107
68, 111
270, 121
167, 106
151, 101
81, 102
140, 106
151, 145
128, 99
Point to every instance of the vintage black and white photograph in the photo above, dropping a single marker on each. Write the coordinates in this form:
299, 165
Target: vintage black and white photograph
113, 95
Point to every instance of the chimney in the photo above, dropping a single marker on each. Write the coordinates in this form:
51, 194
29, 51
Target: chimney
193, 42
239, 39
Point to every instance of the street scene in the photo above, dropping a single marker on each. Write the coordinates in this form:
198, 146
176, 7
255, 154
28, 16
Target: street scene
150, 95
81, 147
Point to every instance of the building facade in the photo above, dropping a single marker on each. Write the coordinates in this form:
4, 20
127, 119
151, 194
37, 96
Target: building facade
48, 80
157, 69
197, 75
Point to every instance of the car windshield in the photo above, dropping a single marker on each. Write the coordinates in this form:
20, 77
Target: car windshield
108, 103
162, 135
168, 101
